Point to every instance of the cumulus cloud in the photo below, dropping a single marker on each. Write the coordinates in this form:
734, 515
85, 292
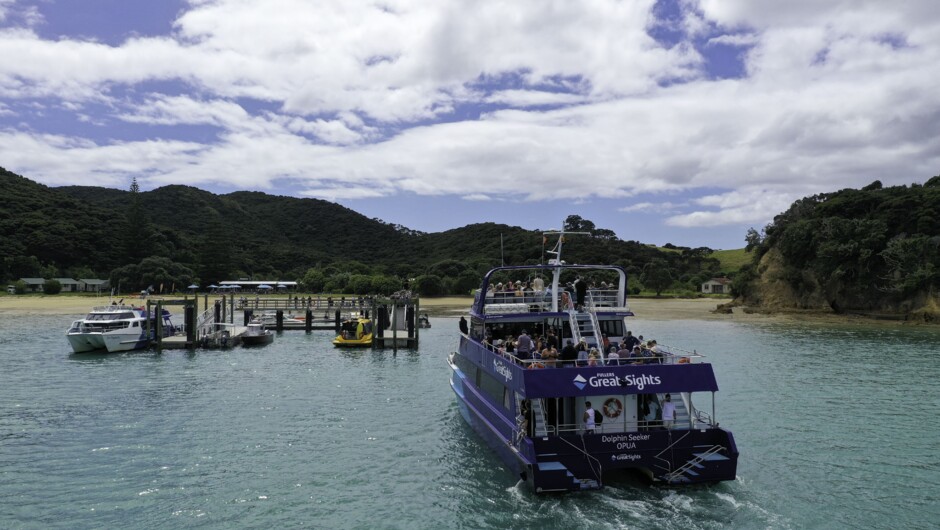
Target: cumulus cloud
572, 101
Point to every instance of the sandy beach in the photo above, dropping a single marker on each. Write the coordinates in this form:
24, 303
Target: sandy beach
666, 308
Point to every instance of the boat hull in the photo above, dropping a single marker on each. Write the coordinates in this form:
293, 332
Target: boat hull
258, 340
364, 342
86, 342
577, 461
119, 340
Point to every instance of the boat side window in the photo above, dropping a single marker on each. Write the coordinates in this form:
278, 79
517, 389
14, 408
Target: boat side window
492, 388
612, 328
476, 330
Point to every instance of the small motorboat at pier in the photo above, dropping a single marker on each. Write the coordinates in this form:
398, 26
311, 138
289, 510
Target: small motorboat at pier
114, 328
257, 335
354, 333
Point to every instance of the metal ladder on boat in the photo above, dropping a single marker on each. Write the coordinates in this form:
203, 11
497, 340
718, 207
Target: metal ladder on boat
584, 326
681, 472
539, 414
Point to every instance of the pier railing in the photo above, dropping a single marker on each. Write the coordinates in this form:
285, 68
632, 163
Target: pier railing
315, 304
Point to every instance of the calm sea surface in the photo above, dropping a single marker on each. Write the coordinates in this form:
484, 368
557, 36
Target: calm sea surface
837, 427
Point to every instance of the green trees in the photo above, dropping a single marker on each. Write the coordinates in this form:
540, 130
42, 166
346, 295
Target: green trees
162, 274
93, 232
51, 287
657, 276
873, 247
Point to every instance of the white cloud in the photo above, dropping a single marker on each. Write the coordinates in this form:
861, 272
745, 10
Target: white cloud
348, 100
651, 207
533, 98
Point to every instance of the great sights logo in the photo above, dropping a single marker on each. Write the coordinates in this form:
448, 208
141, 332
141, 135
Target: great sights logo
580, 382
609, 379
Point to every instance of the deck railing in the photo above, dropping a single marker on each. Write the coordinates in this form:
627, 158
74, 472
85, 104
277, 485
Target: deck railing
537, 301
661, 356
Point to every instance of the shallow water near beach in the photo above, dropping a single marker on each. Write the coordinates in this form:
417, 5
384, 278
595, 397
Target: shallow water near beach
836, 425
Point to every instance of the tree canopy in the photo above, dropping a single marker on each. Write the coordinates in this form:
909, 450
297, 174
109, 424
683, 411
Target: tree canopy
876, 247
177, 235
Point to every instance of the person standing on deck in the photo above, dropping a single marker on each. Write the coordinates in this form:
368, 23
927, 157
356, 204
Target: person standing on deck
523, 346
588, 418
569, 354
580, 289
538, 285
669, 412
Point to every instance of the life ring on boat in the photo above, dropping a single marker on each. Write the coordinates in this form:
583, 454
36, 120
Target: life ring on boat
684, 360
535, 366
612, 408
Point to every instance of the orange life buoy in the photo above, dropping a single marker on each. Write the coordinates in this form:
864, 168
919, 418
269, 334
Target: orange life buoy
534, 366
612, 408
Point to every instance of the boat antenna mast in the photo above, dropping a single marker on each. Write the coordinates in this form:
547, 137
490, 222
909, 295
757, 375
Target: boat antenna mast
556, 262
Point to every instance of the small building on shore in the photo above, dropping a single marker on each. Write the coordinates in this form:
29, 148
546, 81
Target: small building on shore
717, 286
90, 285
33, 285
70, 285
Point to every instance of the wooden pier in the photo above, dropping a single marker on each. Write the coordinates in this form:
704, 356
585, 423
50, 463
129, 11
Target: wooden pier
394, 319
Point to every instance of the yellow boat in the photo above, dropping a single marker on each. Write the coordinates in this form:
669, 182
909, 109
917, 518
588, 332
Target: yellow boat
355, 333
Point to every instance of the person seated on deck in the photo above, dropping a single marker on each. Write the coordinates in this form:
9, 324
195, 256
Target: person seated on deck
535, 364
624, 352
613, 358
593, 357
582, 358
646, 354
550, 357
636, 356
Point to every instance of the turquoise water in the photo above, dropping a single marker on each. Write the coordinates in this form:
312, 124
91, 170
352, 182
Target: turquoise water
837, 428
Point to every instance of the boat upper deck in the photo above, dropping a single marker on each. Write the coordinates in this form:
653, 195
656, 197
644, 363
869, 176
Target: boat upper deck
546, 301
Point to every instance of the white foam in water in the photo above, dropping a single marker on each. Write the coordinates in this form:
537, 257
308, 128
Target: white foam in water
729, 499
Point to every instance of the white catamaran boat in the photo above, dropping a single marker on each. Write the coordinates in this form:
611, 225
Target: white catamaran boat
563, 421
114, 328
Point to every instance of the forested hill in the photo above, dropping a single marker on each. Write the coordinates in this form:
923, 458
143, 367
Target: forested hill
875, 249
179, 234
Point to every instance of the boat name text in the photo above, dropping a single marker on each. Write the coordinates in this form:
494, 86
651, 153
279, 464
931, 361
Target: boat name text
502, 370
624, 457
611, 380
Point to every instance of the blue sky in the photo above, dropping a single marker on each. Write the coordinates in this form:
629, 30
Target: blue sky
681, 121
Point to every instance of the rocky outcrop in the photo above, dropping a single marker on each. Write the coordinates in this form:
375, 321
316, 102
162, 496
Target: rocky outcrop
780, 289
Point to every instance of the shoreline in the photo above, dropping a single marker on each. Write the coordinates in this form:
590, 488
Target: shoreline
455, 306
675, 308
